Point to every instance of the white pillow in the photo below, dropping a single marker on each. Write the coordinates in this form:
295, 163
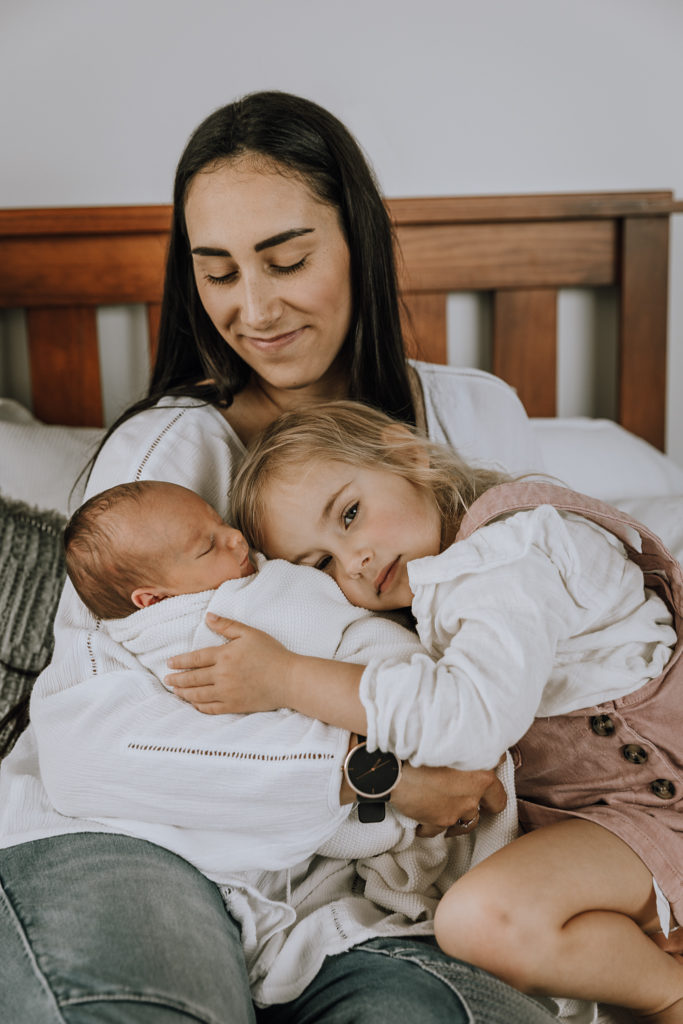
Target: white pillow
664, 516
600, 458
39, 464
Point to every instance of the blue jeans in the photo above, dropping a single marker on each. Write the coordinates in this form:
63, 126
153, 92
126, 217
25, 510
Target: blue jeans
103, 929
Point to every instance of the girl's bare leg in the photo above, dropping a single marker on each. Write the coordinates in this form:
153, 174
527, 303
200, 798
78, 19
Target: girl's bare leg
561, 911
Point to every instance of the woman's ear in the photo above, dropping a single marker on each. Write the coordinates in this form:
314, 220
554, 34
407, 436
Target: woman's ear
411, 447
143, 597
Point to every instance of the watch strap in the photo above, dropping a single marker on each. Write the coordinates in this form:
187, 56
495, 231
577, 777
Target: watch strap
371, 811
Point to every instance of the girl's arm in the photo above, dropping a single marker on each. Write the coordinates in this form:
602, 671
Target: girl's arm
498, 633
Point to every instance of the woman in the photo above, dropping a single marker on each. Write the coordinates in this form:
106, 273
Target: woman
280, 290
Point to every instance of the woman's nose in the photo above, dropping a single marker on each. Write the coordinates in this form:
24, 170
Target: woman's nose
260, 306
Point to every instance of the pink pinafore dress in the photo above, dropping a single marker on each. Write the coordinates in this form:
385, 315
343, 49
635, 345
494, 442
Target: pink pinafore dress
620, 763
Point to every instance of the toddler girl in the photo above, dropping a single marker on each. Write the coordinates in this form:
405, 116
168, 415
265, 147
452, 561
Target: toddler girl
546, 630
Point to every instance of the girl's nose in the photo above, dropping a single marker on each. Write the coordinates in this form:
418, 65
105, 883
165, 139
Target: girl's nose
357, 563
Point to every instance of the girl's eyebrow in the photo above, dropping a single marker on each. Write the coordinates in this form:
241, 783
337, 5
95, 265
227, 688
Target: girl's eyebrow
267, 243
327, 511
325, 515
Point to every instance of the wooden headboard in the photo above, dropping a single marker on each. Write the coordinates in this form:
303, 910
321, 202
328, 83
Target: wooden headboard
61, 264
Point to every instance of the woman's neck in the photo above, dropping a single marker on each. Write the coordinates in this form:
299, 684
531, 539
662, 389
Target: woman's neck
258, 404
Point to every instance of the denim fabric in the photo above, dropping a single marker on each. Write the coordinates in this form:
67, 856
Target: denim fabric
103, 929
408, 980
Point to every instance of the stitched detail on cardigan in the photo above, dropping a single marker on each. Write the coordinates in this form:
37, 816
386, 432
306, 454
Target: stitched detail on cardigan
155, 443
240, 755
88, 644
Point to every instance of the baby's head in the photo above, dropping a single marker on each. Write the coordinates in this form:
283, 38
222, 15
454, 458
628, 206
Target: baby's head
135, 544
345, 488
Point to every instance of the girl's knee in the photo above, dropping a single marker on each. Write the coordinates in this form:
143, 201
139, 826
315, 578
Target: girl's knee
480, 924
466, 912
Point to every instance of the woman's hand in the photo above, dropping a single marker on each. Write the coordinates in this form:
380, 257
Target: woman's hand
245, 675
442, 797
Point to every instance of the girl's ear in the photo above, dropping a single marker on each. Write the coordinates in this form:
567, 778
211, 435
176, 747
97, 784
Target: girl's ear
143, 597
412, 450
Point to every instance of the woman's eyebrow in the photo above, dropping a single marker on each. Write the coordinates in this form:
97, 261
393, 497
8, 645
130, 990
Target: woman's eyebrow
267, 243
283, 236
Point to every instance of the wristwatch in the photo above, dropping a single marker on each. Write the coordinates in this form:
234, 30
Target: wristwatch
372, 776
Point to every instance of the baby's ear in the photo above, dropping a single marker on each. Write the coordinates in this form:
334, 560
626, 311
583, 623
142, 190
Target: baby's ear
411, 447
143, 597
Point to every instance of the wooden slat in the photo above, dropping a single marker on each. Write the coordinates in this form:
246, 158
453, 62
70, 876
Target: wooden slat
64, 362
81, 270
643, 328
548, 206
527, 255
86, 220
156, 219
525, 346
425, 326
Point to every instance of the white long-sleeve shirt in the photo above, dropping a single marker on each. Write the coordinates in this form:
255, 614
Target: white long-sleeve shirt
107, 741
539, 613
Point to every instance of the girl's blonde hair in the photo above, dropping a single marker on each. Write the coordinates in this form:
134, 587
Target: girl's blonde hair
357, 435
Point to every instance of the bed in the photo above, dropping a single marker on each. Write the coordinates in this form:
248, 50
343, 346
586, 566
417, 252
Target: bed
515, 254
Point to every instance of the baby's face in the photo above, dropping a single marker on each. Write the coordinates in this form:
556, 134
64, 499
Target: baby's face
200, 550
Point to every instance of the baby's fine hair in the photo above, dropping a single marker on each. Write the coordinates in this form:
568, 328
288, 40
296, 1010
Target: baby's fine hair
357, 435
103, 570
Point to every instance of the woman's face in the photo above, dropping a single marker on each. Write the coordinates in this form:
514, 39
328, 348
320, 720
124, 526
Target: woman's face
272, 269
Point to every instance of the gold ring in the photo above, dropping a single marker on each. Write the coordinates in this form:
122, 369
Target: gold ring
468, 824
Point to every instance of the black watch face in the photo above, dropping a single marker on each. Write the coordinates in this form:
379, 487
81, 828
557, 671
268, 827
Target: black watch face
373, 774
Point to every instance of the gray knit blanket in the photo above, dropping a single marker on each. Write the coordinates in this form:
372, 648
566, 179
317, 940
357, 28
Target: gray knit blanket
31, 578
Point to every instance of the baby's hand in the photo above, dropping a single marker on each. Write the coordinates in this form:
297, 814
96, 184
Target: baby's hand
245, 675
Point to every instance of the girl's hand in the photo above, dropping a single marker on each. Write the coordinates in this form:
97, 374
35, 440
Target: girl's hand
441, 797
245, 675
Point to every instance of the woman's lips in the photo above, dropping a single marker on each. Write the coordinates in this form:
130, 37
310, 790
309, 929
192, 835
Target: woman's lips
276, 341
386, 577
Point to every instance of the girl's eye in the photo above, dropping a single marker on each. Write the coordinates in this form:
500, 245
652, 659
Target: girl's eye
291, 269
349, 515
324, 563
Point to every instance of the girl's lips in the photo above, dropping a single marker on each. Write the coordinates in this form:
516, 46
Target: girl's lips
385, 578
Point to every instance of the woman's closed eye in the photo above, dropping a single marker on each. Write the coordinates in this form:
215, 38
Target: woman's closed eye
291, 268
222, 279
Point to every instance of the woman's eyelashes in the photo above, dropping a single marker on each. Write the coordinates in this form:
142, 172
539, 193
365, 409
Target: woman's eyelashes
283, 271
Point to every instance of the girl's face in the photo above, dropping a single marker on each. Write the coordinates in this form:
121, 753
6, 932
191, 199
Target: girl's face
360, 525
272, 269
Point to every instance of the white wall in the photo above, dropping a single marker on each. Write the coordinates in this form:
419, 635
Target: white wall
446, 96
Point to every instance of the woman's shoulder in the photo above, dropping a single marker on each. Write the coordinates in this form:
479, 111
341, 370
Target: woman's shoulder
182, 440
